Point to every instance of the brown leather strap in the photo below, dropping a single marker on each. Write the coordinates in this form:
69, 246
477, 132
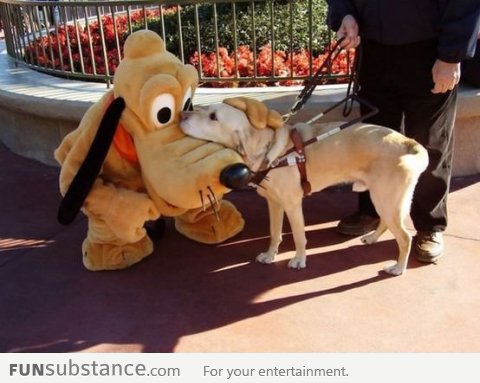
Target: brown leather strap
301, 161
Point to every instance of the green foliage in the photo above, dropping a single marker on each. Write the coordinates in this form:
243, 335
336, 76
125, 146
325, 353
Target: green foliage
284, 24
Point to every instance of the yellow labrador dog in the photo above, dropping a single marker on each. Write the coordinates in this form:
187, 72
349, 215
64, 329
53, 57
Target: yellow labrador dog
370, 157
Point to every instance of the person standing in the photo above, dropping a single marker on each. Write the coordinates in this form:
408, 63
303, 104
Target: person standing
409, 68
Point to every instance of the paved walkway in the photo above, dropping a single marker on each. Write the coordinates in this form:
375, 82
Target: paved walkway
189, 297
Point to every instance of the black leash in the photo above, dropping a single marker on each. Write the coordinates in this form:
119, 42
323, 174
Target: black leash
317, 78
353, 85
351, 94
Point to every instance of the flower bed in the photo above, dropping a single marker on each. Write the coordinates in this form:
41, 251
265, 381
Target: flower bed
285, 65
79, 49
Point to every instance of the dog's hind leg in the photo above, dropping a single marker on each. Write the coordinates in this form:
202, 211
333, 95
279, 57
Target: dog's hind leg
275, 214
393, 216
393, 206
404, 242
373, 237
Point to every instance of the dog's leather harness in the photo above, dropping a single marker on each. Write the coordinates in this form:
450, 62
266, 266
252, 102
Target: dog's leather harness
301, 161
298, 159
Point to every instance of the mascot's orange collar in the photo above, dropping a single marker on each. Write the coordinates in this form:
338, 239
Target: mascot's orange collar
123, 141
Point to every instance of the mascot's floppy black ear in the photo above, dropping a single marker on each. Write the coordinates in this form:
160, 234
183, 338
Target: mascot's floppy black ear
88, 172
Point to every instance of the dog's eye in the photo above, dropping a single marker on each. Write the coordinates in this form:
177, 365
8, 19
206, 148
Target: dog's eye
213, 116
162, 110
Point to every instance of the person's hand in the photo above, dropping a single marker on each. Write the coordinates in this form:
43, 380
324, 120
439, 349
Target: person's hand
349, 30
445, 76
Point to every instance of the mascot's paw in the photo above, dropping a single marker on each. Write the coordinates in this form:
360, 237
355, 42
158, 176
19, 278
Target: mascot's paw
106, 256
208, 227
127, 214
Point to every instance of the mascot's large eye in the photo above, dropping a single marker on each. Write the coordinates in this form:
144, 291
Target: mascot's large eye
162, 110
187, 101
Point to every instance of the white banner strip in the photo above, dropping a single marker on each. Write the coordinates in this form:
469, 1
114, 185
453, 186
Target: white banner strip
237, 368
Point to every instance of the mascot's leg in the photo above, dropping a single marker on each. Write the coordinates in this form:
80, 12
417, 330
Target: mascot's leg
103, 250
208, 227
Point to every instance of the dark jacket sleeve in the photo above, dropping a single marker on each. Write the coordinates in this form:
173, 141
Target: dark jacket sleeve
337, 10
459, 27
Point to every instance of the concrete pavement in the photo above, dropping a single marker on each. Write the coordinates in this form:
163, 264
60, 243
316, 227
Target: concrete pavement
189, 297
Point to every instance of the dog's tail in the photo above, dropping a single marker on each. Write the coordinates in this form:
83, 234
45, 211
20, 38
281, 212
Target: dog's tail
416, 156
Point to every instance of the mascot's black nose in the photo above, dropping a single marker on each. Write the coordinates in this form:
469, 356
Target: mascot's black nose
236, 176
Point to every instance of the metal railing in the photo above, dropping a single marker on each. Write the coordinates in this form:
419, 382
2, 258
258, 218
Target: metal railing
232, 43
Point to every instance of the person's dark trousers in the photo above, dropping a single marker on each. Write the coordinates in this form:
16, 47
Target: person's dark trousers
398, 80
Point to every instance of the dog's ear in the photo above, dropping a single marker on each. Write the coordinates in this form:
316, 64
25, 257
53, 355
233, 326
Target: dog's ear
92, 164
256, 111
261, 117
258, 114
275, 119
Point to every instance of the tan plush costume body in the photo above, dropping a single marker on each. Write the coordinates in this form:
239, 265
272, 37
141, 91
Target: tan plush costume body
152, 168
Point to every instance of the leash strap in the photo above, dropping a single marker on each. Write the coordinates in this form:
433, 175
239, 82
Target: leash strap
353, 85
351, 94
317, 78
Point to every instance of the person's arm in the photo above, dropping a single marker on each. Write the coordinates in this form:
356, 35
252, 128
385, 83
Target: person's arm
459, 28
337, 10
342, 18
460, 25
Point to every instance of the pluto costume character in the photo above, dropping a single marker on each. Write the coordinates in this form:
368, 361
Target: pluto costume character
151, 169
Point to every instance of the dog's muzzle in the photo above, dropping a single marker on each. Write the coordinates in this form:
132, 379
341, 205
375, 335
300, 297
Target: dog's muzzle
236, 176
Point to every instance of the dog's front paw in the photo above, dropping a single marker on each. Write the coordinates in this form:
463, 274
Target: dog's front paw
395, 269
297, 263
266, 257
